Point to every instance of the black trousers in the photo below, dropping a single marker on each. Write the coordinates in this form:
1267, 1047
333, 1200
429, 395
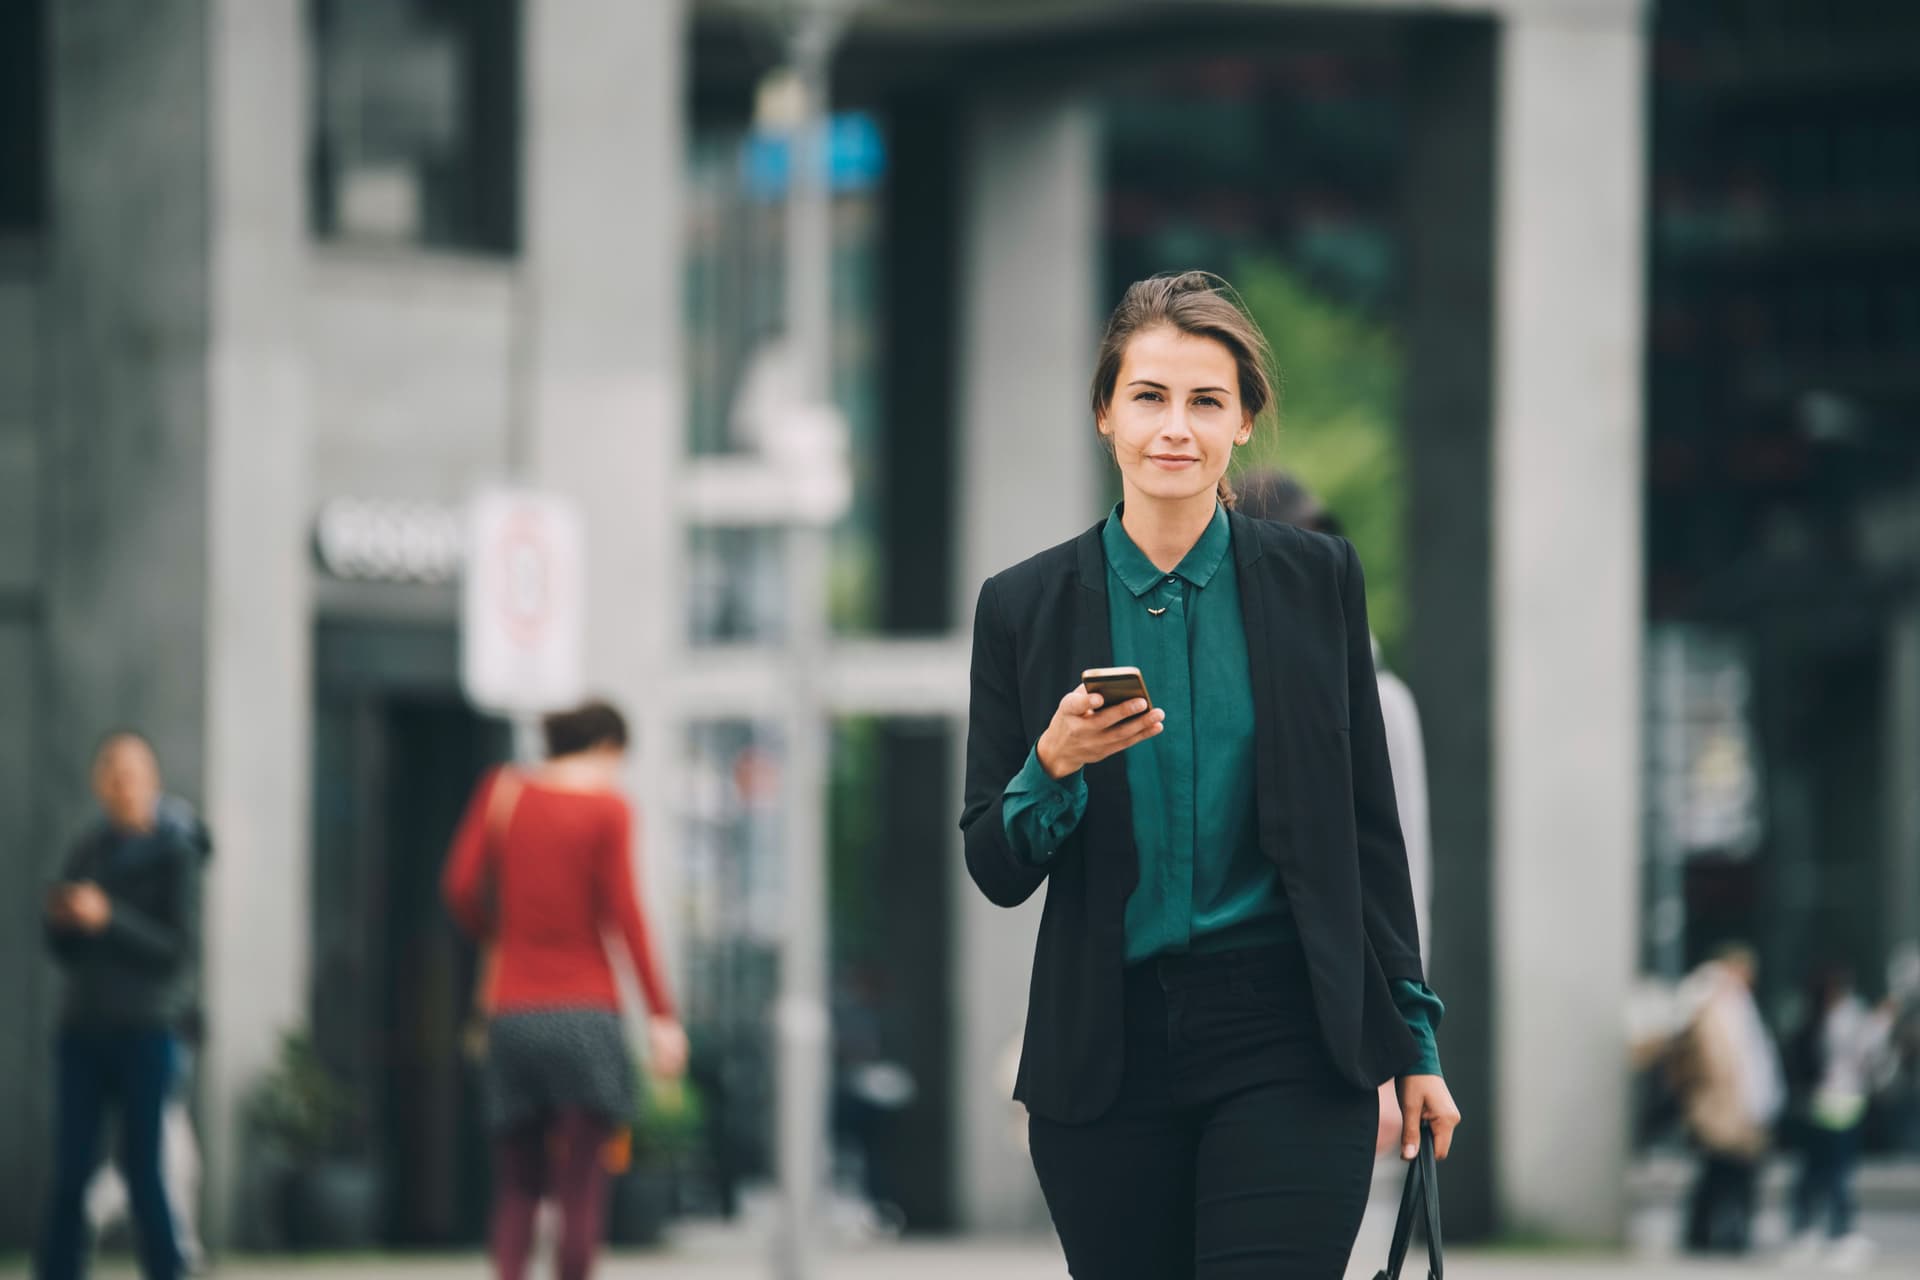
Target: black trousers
1234, 1149
1720, 1211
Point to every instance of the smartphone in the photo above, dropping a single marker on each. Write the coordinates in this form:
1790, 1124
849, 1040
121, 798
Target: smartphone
1116, 684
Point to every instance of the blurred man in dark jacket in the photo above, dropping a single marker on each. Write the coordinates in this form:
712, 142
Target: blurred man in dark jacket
107, 1201
123, 922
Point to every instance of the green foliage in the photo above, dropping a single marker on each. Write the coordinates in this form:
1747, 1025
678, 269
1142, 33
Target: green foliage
671, 1118
298, 1107
1339, 377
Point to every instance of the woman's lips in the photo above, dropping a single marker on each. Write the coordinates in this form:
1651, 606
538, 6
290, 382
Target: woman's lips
1172, 461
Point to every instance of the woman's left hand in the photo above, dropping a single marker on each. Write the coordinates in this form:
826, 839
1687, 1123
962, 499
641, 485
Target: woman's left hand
666, 1047
1426, 1098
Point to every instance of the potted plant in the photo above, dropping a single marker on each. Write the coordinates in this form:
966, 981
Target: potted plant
304, 1121
670, 1123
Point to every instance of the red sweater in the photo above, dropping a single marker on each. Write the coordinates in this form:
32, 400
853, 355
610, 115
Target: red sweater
542, 894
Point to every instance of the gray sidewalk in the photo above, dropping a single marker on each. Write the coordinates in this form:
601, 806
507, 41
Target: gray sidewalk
735, 1258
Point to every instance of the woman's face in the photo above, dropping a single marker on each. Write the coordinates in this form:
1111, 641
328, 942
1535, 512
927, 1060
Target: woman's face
1175, 416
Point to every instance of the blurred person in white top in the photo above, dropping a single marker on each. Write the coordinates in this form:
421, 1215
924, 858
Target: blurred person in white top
1277, 495
1845, 1050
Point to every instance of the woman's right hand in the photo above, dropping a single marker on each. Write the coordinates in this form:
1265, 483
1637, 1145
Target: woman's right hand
1084, 731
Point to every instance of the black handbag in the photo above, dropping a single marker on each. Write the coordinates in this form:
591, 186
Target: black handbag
1421, 1196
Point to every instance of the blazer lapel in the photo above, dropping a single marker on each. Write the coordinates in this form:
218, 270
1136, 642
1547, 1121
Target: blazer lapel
1265, 615
1109, 822
1092, 629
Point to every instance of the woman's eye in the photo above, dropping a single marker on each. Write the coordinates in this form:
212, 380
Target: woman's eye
1209, 401
1147, 395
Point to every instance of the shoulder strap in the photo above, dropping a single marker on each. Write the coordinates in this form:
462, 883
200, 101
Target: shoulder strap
501, 802
504, 799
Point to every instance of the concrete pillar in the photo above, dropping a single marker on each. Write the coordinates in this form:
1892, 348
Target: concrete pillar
604, 138
125, 441
1447, 214
258, 612
24, 1003
1029, 477
175, 449
125, 467
1567, 607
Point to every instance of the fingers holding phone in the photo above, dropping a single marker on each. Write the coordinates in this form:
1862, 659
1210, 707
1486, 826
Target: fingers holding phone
1109, 712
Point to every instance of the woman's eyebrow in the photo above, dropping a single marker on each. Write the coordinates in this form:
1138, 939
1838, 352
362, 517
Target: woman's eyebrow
1161, 386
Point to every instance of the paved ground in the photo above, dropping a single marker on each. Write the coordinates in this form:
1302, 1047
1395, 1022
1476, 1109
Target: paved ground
1891, 1215
737, 1259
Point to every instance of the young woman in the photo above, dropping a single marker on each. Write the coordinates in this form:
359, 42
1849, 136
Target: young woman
1228, 963
539, 868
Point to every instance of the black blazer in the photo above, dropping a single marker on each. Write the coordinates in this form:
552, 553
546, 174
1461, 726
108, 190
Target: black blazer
1323, 791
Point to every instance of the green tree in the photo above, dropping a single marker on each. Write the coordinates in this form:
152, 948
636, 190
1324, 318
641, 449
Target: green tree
1339, 380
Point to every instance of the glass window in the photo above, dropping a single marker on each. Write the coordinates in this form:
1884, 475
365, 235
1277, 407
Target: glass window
734, 309
889, 791
416, 122
23, 105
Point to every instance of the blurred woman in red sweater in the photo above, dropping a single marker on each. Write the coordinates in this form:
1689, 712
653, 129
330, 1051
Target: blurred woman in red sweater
541, 868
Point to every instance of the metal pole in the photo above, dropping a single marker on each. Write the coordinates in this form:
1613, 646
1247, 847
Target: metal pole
802, 1019
529, 745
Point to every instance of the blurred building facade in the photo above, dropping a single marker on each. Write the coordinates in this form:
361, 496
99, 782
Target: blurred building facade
273, 257
283, 280
1783, 393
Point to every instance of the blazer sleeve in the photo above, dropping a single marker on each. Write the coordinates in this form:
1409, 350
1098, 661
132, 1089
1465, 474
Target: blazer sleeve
997, 747
1386, 888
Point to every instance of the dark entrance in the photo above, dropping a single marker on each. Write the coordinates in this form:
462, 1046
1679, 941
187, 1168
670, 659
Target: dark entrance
396, 754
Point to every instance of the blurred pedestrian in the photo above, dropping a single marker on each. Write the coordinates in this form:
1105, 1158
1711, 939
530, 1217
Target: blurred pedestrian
1275, 494
1727, 1072
1228, 963
540, 866
107, 1200
1902, 1095
123, 923
1844, 1046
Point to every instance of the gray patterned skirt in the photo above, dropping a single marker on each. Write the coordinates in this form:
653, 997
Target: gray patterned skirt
542, 1060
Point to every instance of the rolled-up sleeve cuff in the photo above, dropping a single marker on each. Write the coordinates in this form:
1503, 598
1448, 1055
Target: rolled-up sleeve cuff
1040, 810
1422, 1010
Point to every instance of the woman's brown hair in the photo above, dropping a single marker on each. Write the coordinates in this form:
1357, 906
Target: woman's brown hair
591, 724
1201, 305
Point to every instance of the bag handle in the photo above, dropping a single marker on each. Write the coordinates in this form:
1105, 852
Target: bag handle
501, 803
1420, 1196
